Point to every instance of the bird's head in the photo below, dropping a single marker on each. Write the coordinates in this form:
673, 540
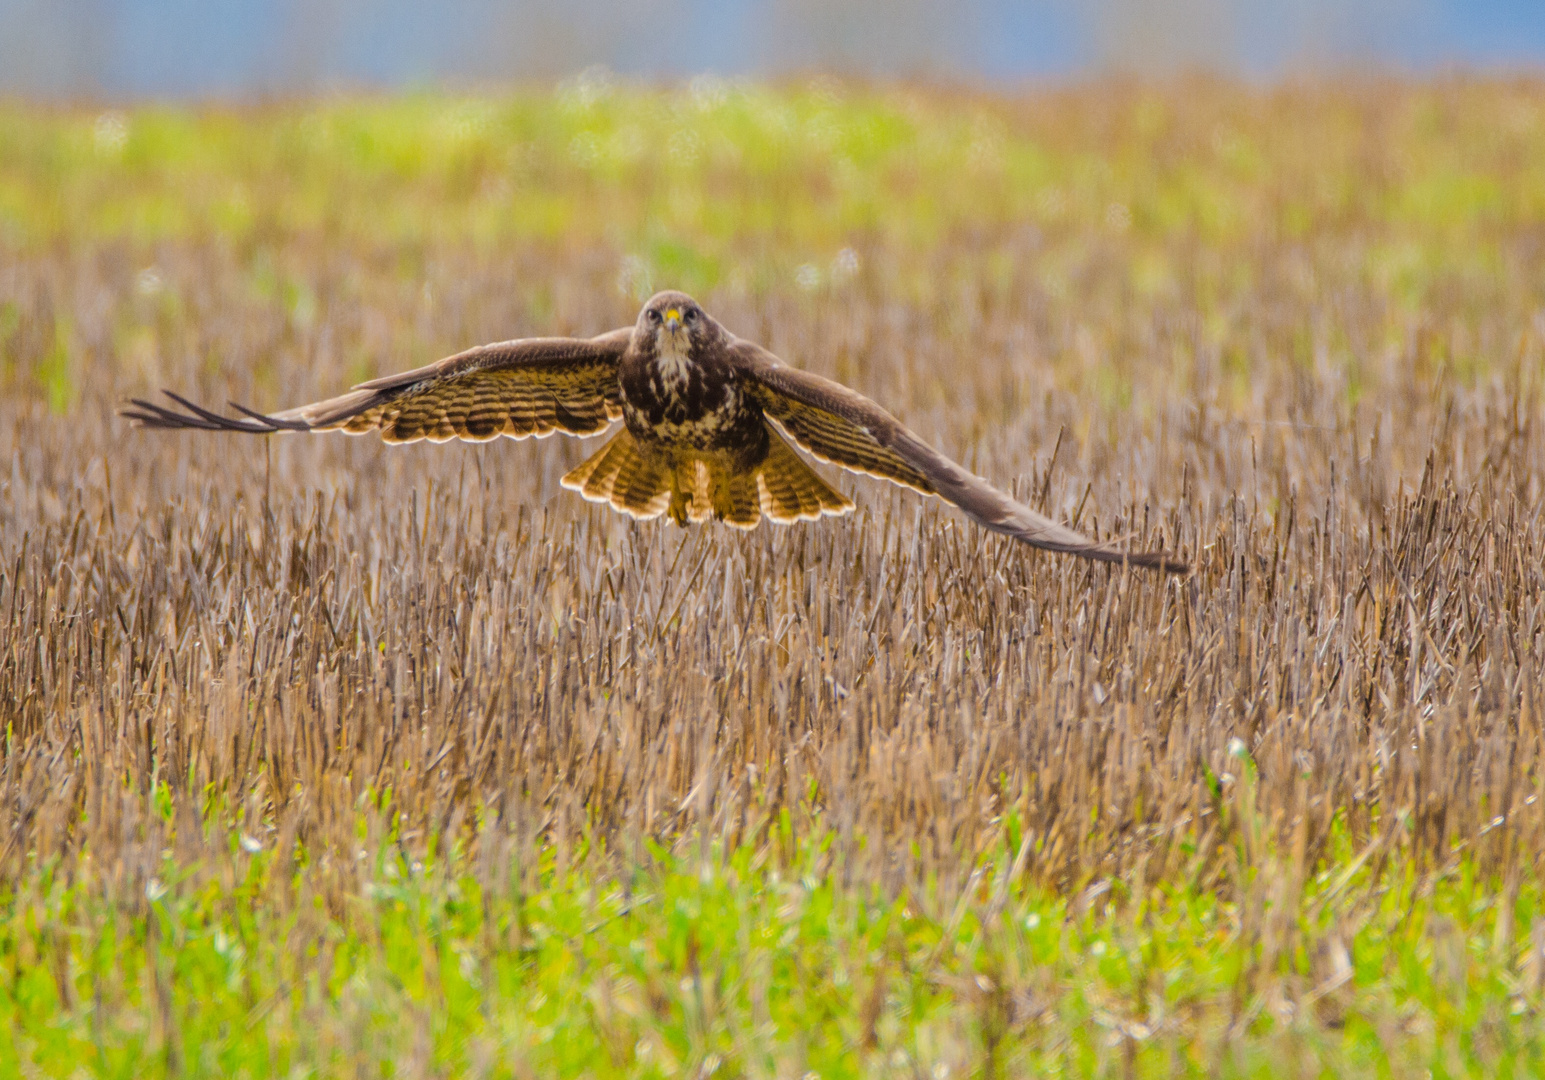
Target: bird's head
674, 323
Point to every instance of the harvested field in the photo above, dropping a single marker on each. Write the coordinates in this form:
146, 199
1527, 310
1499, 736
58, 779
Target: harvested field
358, 707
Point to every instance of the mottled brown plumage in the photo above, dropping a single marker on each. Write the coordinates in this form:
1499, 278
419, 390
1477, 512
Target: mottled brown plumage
704, 415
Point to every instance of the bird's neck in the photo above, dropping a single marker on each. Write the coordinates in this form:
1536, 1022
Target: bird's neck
674, 360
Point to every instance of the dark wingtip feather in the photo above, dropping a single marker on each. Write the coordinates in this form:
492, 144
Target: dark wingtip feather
272, 421
196, 418
148, 414
1148, 560
1159, 560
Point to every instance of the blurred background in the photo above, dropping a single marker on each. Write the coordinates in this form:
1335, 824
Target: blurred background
260, 48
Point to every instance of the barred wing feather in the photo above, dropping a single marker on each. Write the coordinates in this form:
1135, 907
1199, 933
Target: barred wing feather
534, 386
843, 427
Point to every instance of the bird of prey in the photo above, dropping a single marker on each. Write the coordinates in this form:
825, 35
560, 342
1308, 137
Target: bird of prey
707, 419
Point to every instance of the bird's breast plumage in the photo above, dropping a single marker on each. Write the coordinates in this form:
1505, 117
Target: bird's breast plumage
687, 399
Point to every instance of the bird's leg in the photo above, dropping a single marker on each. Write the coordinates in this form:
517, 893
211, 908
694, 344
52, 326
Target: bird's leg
679, 500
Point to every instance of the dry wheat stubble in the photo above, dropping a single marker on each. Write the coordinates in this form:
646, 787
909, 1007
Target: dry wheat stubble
292, 624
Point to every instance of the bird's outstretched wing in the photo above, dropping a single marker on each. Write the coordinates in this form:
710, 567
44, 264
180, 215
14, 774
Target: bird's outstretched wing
845, 428
534, 386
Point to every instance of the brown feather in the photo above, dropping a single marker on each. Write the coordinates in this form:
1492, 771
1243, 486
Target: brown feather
844, 427
736, 498
534, 386
789, 490
626, 476
645, 482
816, 419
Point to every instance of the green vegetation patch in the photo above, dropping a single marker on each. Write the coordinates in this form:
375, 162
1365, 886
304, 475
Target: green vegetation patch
803, 166
765, 960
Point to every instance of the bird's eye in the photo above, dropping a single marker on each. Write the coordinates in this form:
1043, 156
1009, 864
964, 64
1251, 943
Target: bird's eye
691, 315
654, 316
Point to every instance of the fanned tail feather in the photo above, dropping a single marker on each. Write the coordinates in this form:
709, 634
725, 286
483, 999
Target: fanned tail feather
642, 484
622, 474
735, 498
789, 490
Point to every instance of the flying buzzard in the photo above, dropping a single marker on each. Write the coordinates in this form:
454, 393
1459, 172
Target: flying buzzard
706, 423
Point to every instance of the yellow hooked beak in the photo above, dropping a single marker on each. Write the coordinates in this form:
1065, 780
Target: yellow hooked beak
673, 318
